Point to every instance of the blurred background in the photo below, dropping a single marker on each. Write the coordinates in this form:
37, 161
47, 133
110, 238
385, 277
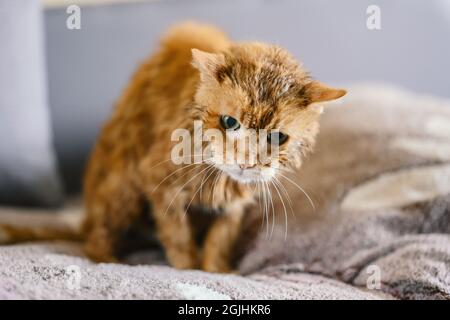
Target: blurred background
78, 74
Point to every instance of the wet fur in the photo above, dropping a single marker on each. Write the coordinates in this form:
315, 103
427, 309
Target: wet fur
130, 167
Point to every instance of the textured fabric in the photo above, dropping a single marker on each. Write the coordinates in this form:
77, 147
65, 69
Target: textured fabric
379, 228
55, 272
27, 162
380, 184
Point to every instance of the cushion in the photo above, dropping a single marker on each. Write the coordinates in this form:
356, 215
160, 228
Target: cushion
28, 174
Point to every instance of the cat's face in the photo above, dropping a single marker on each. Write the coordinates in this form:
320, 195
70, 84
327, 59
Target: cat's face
262, 104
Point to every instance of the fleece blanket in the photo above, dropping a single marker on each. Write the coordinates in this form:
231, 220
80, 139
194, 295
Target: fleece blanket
367, 217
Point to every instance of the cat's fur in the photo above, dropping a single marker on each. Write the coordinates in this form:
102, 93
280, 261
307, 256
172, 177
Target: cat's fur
196, 74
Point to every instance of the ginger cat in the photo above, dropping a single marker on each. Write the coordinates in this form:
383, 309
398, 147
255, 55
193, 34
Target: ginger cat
197, 73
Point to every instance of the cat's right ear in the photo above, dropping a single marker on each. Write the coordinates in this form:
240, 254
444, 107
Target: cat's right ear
319, 92
207, 63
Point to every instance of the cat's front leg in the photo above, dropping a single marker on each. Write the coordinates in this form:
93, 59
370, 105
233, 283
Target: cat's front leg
221, 239
174, 230
112, 205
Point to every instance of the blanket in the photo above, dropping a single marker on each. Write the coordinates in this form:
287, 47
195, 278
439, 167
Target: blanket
367, 217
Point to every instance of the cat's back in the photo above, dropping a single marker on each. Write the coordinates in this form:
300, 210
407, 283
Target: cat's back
155, 100
185, 36
173, 75
168, 79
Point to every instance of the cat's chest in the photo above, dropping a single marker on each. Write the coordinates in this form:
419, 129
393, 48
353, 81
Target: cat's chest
219, 194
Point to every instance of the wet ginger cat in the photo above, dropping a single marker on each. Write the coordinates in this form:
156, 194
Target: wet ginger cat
197, 73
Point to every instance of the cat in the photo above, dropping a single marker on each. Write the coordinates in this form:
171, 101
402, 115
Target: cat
196, 74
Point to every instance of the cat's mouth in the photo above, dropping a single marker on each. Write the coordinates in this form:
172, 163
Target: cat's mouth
247, 175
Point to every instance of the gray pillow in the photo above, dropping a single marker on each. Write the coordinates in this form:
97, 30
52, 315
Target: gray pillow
28, 174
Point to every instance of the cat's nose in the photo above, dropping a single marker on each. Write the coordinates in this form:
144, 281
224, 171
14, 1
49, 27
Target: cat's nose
247, 166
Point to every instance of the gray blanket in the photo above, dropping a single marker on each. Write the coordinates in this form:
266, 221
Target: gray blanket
377, 225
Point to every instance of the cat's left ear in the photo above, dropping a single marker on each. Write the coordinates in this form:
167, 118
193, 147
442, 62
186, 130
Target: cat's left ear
207, 63
319, 92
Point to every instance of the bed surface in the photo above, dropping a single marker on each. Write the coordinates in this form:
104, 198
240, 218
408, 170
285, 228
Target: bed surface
380, 183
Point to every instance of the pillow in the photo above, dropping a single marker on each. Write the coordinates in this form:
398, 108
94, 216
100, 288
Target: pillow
28, 174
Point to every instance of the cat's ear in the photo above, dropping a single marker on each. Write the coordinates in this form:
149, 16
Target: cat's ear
319, 92
207, 63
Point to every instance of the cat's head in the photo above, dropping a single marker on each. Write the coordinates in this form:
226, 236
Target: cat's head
254, 86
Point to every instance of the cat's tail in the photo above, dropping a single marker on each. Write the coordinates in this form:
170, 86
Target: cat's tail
192, 34
18, 226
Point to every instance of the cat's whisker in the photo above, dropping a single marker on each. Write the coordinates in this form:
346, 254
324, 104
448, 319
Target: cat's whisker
182, 187
174, 172
263, 207
254, 191
301, 189
207, 175
273, 210
192, 168
212, 187
288, 197
261, 197
171, 159
259, 203
160, 163
285, 214
188, 172
266, 213
216, 180
210, 167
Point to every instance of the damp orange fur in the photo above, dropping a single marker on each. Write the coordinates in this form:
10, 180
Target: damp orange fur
197, 73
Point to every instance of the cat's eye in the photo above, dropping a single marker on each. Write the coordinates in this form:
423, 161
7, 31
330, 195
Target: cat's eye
277, 138
229, 123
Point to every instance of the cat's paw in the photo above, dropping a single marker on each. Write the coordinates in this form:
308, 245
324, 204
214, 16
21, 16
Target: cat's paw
218, 267
99, 256
184, 260
4, 236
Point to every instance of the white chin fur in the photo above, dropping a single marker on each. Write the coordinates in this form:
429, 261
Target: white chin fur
248, 175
